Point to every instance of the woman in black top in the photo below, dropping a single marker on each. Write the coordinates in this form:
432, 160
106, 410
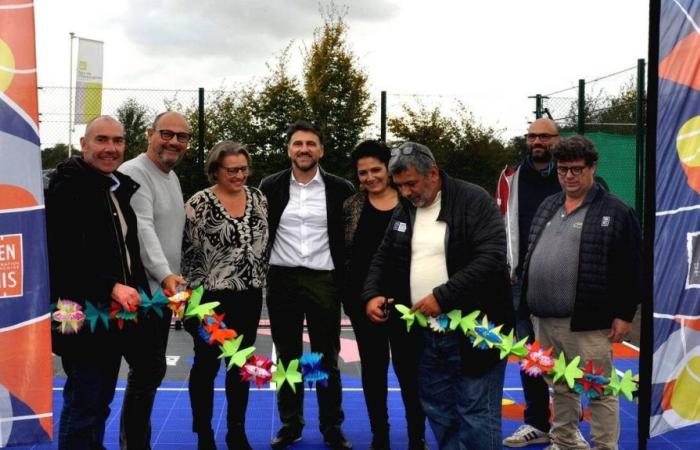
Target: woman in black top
224, 250
367, 215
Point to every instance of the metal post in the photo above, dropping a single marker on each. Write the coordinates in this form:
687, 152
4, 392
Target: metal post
538, 104
200, 127
640, 132
581, 120
382, 125
70, 96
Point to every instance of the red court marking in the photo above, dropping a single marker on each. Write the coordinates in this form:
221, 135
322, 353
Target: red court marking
623, 351
348, 347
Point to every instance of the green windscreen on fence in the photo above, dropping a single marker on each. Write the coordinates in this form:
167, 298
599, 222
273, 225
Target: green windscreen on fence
616, 163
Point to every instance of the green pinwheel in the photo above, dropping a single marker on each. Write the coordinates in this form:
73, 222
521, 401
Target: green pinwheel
570, 372
155, 304
195, 309
291, 375
411, 317
455, 317
230, 350
94, 315
627, 386
509, 347
468, 322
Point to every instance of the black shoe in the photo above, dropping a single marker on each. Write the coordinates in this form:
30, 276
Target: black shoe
336, 440
418, 445
236, 439
284, 438
206, 441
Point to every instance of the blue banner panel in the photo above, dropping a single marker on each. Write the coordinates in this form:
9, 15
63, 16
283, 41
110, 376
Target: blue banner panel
675, 396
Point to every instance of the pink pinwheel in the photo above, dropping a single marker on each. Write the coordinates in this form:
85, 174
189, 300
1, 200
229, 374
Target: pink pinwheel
538, 361
257, 369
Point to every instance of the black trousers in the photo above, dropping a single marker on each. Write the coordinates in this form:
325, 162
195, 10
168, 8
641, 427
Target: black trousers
90, 384
378, 343
146, 372
535, 389
295, 293
242, 313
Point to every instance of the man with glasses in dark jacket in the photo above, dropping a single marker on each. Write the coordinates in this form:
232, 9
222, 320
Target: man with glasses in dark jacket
445, 249
582, 284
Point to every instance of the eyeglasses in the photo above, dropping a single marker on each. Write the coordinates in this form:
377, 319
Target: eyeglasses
166, 135
243, 170
575, 170
544, 137
410, 149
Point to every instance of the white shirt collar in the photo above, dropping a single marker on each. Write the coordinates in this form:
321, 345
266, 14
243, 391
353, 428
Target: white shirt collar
317, 178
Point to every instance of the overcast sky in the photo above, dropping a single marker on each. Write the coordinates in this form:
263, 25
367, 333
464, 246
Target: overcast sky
491, 55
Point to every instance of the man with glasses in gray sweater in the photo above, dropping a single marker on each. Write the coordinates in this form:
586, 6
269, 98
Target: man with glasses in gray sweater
160, 212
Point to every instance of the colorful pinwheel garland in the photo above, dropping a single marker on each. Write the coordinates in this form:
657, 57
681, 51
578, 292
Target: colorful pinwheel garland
253, 368
70, 317
534, 360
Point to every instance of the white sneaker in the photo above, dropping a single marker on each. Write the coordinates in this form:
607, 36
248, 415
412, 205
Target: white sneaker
526, 435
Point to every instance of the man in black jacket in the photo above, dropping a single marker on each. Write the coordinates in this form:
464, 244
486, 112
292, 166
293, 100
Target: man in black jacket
520, 191
305, 207
445, 249
582, 283
94, 256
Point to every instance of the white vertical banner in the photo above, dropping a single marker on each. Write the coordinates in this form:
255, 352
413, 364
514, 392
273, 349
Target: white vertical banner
88, 81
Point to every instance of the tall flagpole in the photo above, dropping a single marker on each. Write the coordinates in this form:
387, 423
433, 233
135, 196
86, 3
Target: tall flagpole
70, 97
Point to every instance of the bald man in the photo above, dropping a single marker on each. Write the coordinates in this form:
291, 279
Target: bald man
160, 210
94, 255
520, 191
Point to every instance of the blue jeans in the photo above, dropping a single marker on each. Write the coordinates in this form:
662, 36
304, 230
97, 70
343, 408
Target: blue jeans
464, 412
89, 389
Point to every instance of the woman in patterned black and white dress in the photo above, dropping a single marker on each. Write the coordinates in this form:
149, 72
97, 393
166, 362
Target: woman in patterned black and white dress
224, 250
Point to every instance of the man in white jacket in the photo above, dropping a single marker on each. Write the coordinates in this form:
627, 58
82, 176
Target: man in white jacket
520, 191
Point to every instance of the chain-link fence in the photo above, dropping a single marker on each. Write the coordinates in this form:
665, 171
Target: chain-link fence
609, 110
59, 122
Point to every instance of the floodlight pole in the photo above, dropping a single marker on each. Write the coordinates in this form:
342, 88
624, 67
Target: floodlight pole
70, 96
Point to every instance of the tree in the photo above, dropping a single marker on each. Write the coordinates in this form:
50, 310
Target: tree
518, 146
467, 149
52, 156
336, 91
279, 103
135, 118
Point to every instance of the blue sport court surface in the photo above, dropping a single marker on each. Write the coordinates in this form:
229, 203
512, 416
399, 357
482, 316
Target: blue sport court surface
172, 423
